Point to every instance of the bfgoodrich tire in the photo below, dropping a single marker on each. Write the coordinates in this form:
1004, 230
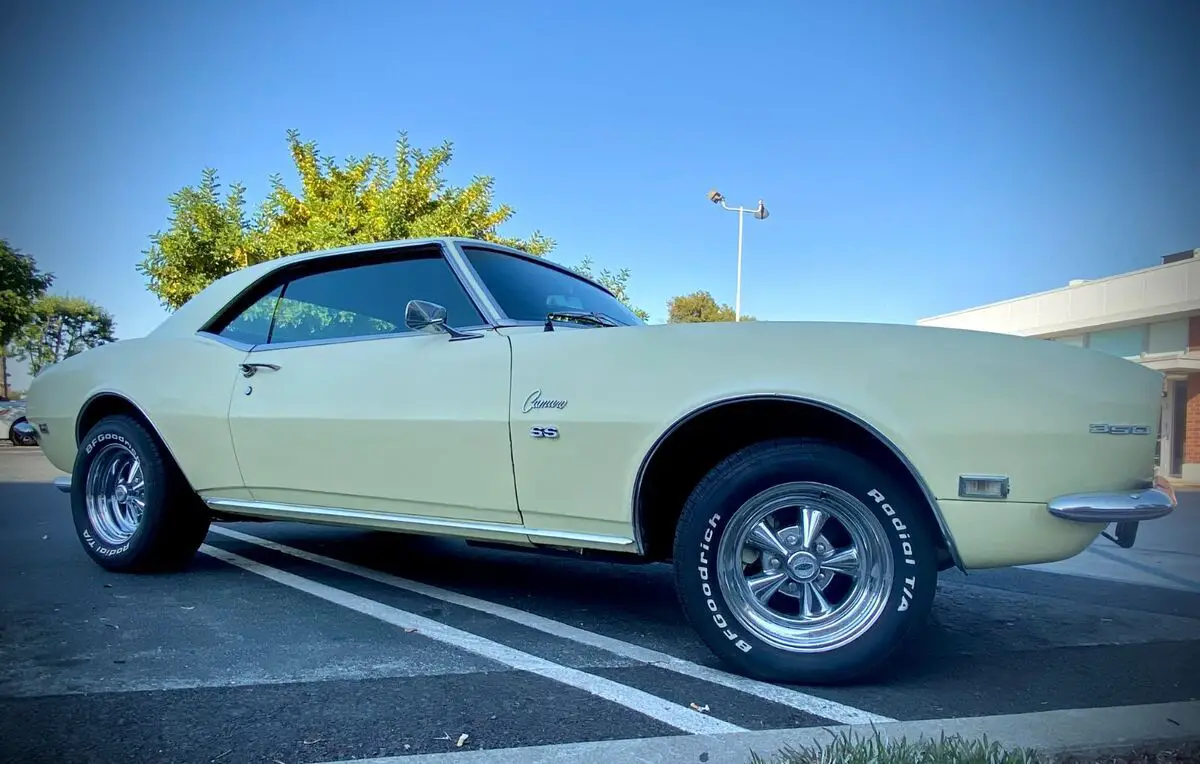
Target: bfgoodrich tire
800, 561
132, 507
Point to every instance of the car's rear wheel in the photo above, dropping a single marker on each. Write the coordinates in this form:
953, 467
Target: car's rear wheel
801, 561
132, 507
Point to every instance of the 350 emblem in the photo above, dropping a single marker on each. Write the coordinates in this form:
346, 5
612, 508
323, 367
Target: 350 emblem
543, 431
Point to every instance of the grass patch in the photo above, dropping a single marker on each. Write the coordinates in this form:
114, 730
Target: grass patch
847, 748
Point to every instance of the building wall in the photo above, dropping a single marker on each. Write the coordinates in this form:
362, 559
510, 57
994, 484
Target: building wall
1191, 435
1191, 430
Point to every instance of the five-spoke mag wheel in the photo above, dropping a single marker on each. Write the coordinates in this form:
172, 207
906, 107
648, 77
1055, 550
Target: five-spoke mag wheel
805, 566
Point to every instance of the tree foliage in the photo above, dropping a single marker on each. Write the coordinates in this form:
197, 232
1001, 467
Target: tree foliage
699, 307
617, 283
21, 284
357, 202
60, 328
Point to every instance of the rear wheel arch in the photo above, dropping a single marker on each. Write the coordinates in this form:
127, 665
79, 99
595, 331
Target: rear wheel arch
682, 455
105, 404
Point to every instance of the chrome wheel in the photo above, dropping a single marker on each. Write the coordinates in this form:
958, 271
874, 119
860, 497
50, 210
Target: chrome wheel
806, 567
115, 493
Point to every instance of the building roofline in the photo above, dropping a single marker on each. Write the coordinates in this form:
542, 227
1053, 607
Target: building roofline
1068, 287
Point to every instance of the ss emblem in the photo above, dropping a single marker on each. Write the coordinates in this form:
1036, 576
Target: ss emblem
543, 431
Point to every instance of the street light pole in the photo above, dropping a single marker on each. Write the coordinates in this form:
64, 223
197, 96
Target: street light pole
760, 213
737, 298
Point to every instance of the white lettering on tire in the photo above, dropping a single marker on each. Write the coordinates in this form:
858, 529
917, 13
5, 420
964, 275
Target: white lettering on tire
706, 589
103, 437
906, 591
100, 549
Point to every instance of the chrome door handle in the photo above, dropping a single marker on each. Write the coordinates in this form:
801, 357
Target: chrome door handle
250, 369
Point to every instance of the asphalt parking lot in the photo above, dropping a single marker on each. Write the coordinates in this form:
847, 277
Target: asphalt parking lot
294, 643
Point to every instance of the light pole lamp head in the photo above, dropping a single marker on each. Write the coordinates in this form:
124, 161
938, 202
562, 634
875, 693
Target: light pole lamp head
761, 213
715, 197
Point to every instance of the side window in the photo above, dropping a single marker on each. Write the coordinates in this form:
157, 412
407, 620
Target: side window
366, 300
253, 325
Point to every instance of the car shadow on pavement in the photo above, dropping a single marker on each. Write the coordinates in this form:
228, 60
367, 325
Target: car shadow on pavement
986, 634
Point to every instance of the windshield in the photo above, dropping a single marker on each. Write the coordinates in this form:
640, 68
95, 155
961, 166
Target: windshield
528, 291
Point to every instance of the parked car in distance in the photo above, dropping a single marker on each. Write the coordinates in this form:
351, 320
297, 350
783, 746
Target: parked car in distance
806, 480
13, 423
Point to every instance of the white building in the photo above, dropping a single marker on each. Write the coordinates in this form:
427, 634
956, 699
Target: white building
1151, 316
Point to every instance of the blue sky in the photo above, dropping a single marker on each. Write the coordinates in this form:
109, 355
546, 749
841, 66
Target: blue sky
916, 157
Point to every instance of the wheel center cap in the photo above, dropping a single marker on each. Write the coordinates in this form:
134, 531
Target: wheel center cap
121, 493
804, 566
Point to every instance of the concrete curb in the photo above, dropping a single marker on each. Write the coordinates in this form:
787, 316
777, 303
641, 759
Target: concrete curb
1075, 730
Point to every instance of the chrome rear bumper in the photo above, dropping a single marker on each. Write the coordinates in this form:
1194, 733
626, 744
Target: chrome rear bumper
1135, 506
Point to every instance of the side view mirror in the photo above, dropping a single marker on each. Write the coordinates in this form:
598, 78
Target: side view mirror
422, 316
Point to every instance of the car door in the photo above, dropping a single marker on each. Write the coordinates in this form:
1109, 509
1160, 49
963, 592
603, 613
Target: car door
350, 412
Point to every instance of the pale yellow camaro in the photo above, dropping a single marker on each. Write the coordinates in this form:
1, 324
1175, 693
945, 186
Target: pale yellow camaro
807, 480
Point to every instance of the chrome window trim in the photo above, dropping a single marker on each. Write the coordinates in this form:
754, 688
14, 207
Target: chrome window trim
636, 505
472, 282
459, 268
358, 338
398, 521
337, 340
235, 344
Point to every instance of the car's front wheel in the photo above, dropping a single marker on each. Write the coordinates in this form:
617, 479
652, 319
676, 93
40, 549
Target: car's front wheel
132, 507
801, 561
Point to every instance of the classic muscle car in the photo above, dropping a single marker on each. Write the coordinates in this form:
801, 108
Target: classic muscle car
806, 480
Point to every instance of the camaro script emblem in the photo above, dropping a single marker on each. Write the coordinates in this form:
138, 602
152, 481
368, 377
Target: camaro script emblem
536, 401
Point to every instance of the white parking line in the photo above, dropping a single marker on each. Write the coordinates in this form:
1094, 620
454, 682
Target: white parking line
657, 708
800, 701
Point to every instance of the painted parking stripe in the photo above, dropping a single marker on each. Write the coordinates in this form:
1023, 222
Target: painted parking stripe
657, 708
800, 701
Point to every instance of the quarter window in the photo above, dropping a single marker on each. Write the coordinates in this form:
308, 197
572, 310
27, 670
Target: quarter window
253, 325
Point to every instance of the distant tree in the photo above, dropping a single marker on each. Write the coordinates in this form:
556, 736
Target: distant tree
62, 327
699, 307
21, 284
361, 201
614, 282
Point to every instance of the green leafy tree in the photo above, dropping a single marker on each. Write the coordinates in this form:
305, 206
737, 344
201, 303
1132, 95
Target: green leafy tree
60, 328
357, 202
699, 307
21, 284
208, 238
